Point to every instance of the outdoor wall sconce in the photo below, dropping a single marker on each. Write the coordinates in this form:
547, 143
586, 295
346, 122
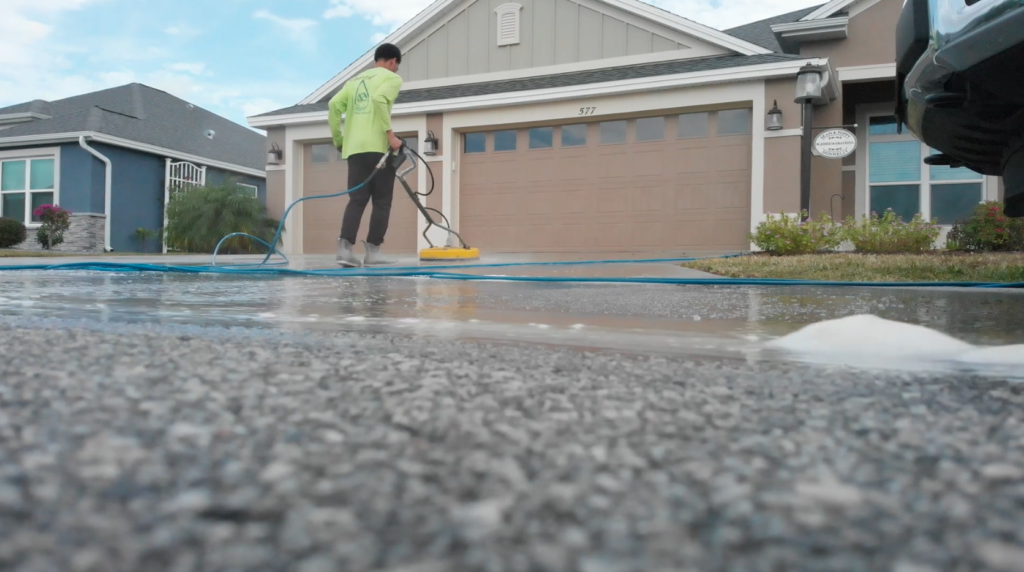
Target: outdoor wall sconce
430, 144
275, 155
774, 117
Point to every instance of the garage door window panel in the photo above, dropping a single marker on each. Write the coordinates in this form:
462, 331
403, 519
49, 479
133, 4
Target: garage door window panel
734, 122
322, 153
694, 125
505, 141
475, 143
650, 129
542, 137
613, 132
574, 135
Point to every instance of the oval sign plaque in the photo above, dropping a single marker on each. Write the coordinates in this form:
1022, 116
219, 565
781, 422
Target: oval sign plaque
835, 143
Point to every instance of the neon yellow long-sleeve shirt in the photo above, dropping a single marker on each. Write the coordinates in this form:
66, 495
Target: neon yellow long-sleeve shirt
365, 101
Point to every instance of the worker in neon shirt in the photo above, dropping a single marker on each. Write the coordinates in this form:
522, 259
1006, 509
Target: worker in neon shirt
366, 101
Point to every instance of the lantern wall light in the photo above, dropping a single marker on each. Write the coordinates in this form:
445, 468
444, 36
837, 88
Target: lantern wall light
275, 155
774, 117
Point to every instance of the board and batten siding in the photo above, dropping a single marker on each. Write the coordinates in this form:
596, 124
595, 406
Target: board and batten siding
551, 32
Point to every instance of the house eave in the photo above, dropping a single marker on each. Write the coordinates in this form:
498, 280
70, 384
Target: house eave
51, 138
622, 87
791, 35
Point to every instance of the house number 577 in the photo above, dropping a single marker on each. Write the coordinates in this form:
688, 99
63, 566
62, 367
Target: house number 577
587, 110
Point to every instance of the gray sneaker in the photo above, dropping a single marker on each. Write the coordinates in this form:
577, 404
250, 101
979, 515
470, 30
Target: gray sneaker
345, 256
375, 258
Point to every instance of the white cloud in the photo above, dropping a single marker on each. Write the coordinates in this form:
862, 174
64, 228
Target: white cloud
730, 13
391, 13
181, 30
378, 37
192, 68
718, 14
299, 29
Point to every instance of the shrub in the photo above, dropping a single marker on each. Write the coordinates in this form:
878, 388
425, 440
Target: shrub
55, 221
12, 232
789, 235
889, 234
987, 229
198, 218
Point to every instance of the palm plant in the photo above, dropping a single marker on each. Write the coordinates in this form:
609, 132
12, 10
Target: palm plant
198, 218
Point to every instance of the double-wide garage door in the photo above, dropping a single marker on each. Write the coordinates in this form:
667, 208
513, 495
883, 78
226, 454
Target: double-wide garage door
325, 172
667, 183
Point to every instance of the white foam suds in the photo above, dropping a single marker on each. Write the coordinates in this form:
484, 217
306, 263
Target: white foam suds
355, 319
868, 340
267, 315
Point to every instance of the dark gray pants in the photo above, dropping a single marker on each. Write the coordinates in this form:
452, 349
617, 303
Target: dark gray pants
380, 190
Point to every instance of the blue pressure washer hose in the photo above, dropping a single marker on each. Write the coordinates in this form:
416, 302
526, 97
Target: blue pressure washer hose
273, 245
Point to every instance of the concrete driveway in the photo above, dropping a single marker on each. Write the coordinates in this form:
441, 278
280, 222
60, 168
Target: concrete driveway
182, 422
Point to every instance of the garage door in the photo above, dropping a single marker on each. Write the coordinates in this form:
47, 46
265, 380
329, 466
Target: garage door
324, 173
652, 184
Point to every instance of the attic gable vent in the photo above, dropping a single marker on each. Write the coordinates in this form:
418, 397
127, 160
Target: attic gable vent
508, 24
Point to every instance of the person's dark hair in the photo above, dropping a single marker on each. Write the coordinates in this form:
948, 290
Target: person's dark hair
388, 52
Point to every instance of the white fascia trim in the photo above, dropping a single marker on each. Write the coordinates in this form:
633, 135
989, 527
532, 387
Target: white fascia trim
830, 24
689, 27
424, 18
763, 71
864, 73
828, 9
128, 144
21, 117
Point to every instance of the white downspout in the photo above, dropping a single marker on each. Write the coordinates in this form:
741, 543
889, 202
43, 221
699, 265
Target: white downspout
106, 191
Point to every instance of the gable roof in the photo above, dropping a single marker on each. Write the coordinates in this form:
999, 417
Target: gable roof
142, 114
761, 33
440, 8
603, 75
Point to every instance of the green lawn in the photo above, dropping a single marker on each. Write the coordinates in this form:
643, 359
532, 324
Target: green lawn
852, 267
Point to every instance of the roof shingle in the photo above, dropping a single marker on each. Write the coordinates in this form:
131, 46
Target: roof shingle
760, 32
146, 115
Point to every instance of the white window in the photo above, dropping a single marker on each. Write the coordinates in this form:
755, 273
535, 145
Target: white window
899, 179
508, 24
28, 180
249, 189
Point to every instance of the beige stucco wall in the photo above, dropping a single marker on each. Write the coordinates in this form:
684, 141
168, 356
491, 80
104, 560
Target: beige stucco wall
551, 32
275, 178
782, 175
782, 154
871, 41
435, 123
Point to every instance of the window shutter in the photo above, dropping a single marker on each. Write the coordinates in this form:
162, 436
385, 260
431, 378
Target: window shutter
508, 24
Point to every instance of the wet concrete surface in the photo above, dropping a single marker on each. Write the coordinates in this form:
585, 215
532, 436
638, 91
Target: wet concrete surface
317, 424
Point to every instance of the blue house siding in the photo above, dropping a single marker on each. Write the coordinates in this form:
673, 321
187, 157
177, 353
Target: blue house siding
217, 176
81, 180
137, 196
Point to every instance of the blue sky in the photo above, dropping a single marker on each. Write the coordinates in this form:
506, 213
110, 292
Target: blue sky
233, 57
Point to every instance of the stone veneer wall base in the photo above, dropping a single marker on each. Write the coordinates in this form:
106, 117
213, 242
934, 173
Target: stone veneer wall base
85, 234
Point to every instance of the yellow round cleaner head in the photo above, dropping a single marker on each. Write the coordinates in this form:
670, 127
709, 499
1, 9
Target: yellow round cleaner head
449, 253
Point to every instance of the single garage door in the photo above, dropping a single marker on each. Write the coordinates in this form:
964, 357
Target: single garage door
652, 184
325, 172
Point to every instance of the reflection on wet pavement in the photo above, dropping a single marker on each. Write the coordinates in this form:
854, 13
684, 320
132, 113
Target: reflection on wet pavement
701, 319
